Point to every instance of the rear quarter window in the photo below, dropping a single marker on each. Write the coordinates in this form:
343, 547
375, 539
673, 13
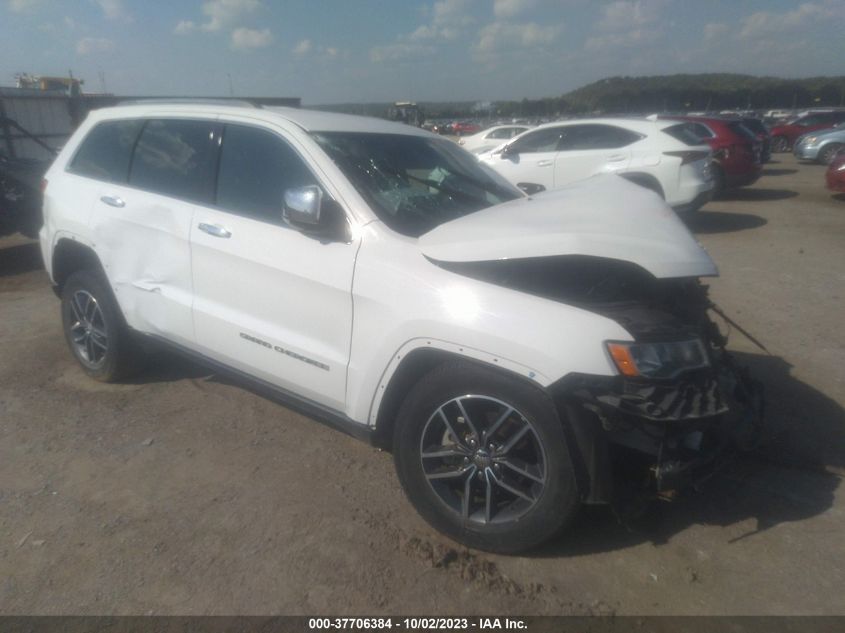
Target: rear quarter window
105, 152
685, 133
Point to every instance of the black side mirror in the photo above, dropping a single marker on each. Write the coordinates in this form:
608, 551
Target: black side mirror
530, 188
509, 151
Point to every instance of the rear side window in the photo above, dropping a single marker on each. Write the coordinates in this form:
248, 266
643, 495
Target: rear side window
106, 151
593, 136
256, 167
176, 157
685, 133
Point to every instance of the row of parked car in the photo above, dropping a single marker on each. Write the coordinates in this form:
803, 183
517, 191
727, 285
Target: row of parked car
686, 160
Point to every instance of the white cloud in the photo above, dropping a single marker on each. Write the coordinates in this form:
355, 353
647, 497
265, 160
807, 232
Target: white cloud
303, 47
715, 30
767, 24
510, 8
184, 27
628, 23
626, 14
400, 51
244, 38
500, 36
114, 9
88, 45
447, 21
19, 6
219, 15
452, 12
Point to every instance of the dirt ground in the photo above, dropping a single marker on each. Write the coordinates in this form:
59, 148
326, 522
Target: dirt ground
183, 493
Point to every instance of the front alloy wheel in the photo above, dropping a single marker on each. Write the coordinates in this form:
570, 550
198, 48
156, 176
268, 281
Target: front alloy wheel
483, 457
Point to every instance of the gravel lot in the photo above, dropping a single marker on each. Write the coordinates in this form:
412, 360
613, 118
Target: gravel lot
183, 493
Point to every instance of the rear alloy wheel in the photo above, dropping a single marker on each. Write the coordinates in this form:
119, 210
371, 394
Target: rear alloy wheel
779, 144
94, 328
829, 152
484, 459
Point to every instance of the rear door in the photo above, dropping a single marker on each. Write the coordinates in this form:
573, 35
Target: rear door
268, 299
589, 149
530, 158
142, 225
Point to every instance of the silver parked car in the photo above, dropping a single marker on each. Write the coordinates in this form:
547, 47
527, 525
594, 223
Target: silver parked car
821, 145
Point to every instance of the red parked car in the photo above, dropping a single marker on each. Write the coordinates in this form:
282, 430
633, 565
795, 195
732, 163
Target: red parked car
835, 175
784, 135
462, 128
737, 151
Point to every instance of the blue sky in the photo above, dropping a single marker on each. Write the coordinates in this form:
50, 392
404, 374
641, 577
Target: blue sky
329, 51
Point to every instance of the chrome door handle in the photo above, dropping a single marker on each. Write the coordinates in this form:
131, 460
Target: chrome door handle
544, 163
215, 230
113, 201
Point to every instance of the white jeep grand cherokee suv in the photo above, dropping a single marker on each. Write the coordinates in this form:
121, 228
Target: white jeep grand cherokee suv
521, 355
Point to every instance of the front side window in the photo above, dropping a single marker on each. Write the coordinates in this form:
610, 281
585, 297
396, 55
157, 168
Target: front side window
544, 140
176, 157
105, 152
505, 132
256, 167
415, 183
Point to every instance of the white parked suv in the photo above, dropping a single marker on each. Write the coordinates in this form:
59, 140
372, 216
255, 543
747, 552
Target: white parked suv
659, 155
520, 355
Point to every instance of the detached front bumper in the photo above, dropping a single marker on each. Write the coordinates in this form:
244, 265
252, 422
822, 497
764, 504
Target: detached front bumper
660, 437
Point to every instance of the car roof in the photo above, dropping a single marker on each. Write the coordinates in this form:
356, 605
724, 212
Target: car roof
636, 124
308, 120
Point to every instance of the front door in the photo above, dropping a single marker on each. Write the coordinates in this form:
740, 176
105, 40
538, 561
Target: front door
268, 299
530, 158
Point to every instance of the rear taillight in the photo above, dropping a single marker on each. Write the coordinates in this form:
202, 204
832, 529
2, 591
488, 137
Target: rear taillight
689, 156
43, 185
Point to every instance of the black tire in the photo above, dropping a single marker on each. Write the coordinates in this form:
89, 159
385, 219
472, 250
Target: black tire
92, 319
503, 522
779, 144
829, 152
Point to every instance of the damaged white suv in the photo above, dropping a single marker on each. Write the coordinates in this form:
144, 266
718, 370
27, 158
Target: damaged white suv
521, 355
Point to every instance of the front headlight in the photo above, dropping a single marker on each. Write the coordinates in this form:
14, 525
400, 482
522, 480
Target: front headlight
808, 140
657, 360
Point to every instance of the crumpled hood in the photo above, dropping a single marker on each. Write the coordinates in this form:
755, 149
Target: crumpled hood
603, 216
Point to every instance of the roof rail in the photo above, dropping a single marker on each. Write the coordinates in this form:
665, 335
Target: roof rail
189, 100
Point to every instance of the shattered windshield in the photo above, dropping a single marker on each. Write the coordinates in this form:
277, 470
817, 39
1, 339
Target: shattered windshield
415, 183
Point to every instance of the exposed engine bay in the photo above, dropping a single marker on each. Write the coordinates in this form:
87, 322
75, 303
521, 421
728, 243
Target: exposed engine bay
680, 404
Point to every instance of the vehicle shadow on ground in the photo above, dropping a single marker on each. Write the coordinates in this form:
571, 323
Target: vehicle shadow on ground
757, 194
839, 196
779, 172
163, 365
792, 477
723, 222
23, 258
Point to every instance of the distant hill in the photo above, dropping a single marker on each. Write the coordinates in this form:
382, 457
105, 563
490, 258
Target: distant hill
706, 92
637, 95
